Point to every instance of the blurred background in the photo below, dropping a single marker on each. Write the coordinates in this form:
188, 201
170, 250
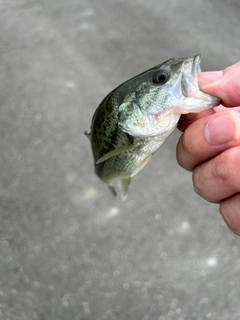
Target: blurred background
69, 250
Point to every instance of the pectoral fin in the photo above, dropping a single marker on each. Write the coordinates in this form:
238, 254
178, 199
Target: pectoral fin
115, 152
123, 183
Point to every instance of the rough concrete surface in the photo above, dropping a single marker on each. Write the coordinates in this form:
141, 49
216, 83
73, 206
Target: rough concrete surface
69, 250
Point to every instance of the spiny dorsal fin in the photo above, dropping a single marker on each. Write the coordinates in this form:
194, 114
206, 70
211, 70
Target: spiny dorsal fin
115, 152
123, 183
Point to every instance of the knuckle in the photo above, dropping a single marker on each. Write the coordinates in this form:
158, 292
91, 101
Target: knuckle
187, 143
198, 185
223, 209
226, 167
205, 182
220, 169
185, 151
219, 177
230, 211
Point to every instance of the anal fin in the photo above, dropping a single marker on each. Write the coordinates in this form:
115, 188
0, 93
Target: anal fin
123, 183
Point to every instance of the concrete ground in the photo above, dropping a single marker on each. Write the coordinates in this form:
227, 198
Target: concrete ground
69, 250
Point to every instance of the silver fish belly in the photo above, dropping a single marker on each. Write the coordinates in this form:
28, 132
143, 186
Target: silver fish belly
134, 119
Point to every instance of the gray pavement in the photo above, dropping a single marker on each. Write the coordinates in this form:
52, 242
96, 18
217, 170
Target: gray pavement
69, 250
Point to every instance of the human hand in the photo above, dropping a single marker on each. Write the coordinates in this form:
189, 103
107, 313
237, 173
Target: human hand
210, 144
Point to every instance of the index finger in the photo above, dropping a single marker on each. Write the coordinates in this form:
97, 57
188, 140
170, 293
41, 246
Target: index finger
187, 119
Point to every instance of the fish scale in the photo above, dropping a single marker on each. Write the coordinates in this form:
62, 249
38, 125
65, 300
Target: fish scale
134, 119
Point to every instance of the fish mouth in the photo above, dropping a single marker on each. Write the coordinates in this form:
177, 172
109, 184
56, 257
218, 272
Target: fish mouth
191, 67
189, 89
188, 76
196, 65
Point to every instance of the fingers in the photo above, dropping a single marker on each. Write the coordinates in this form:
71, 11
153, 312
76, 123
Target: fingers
187, 119
210, 145
222, 84
207, 137
230, 210
218, 178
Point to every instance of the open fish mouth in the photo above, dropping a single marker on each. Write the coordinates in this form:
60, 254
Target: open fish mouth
189, 84
196, 65
191, 67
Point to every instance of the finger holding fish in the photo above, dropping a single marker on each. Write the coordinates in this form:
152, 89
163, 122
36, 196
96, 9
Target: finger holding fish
217, 83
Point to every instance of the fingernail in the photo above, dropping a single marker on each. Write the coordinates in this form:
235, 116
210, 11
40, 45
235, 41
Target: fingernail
223, 129
209, 76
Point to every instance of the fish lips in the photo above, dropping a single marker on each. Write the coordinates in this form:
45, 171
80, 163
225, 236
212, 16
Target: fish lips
190, 69
189, 82
192, 66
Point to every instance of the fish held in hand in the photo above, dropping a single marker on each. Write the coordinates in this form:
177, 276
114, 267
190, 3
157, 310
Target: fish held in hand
134, 119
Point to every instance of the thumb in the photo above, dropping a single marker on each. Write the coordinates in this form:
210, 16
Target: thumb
223, 84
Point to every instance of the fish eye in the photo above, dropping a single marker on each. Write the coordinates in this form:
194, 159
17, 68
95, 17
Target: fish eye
160, 76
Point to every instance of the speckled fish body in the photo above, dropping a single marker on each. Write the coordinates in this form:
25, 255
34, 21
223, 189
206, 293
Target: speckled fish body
134, 119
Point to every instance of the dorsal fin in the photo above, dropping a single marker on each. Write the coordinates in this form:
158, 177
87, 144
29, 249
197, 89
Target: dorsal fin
88, 134
115, 152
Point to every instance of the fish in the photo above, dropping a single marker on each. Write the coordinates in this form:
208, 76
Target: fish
135, 118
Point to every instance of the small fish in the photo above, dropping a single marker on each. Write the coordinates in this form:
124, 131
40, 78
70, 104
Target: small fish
134, 119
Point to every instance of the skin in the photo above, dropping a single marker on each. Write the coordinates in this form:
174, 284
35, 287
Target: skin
210, 144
